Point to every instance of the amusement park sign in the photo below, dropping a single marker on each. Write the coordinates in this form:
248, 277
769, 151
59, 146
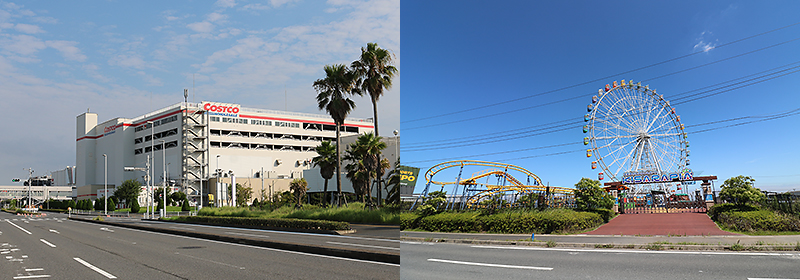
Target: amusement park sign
653, 177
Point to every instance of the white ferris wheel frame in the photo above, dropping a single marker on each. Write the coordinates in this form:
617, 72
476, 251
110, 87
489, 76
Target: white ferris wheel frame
633, 129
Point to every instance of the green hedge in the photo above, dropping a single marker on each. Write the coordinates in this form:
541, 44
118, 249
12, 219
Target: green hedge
266, 222
548, 221
761, 220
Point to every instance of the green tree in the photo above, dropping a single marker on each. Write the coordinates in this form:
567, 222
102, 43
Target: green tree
135, 206
111, 205
375, 73
433, 201
129, 191
185, 206
160, 204
589, 196
158, 195
740, 191
333, 90
393, 185
365, 163
98, 204
326, 160
529, 200
243, 194
299, 188
177, 197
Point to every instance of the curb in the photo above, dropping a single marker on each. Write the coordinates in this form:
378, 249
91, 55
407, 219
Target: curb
649, 246
331, 232
353, 254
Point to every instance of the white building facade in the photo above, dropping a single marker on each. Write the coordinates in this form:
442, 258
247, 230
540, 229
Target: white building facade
193, 140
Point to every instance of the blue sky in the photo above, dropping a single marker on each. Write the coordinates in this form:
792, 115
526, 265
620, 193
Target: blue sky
461, 56
127, 58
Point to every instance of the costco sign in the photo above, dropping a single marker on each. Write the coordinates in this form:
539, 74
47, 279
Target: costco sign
221, 109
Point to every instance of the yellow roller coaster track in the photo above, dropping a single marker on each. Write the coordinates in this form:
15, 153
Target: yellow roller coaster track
516, 185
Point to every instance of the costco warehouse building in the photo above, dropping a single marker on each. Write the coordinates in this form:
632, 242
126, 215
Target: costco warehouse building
195, 139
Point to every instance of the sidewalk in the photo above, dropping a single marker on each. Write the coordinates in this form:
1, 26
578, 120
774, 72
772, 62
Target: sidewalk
684, 231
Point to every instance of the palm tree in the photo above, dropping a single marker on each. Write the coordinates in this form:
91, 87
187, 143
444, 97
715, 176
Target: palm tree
338, 82
299, 188
326, 160
375, 74
365, 161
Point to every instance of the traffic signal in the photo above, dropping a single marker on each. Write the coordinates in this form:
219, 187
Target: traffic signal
15, 180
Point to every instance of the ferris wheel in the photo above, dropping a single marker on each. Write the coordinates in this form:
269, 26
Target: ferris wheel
633, 130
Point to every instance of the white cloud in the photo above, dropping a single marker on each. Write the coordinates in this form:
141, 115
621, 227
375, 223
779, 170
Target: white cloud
150, 79
22, 44
278, 3
28, 28
257, 6
201, 27
68, 49
704, 44
124, 60
225, 3
214, 17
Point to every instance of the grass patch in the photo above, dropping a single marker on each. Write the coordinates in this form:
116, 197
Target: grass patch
606, 246
736, 247
550, 244
653, 247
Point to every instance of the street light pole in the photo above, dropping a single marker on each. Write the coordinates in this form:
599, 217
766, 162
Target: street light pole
217, 186
30, 174
164, 181
152, 157
105, 185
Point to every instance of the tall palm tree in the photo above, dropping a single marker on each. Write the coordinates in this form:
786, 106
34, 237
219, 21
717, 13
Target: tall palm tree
332, 89
375, 74
326, 160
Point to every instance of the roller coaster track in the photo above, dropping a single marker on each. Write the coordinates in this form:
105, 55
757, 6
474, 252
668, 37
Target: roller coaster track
501, 172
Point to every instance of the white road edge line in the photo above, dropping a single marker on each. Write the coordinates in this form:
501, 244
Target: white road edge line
246, 234
360, 245
636, 251
491, 265
98, 270
262, 248
770, 279
32, 276
19, 227
48, 243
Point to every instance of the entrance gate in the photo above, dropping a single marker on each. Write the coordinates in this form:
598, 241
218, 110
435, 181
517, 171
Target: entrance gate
661, 202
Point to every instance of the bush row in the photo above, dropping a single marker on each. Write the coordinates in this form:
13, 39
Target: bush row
548, 221
761, 220
266, 222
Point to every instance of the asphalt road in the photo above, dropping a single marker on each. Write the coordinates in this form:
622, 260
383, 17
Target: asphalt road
54, 247
422, 260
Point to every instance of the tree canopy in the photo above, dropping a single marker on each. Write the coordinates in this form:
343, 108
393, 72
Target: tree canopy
129, 190
589, 196
740, 190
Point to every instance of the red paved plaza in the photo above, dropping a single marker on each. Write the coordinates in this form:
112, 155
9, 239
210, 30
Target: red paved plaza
661, 224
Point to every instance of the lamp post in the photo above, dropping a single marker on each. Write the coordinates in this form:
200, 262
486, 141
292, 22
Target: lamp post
145, 169
218, 174
30, 173
105, 185
164, 181
150, 210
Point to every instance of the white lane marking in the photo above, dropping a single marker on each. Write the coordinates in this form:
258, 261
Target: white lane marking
48, 243
262, 248
771, 279
98, 270
362, 245
106, 229
33, 269
31, 276
491, 264
20, 228
285, 232
245, 234
184, 228
216, 262
54, 231
637, 251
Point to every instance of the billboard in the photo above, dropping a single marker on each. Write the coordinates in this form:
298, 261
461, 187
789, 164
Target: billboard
408, 179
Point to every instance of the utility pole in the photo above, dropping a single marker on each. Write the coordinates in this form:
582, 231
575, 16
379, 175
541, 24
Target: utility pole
105, 185
30, 174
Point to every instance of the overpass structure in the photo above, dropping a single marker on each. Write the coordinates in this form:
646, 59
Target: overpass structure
38, 194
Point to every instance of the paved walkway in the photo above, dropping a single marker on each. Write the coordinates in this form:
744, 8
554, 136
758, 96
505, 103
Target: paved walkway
680, 224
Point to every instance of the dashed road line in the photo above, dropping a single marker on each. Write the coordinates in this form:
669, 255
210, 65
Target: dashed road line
20, 228
96, 269
48, 243
33, 269
31, 276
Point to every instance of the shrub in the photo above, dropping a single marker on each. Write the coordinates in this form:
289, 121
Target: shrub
111, 205
761, 220
729, 207
267, 222
185, 205
98, 204
135, 206
549, 221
